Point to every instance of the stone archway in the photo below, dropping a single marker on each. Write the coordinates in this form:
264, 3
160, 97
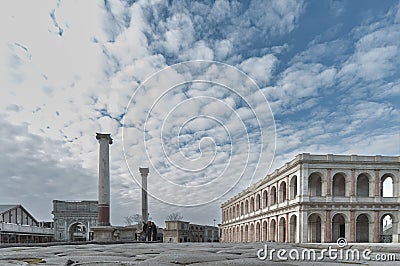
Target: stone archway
282, 229
272, 230
293, 229
251, 238
314, 185
265, 231
387, 228
338, 227
387, 188
77, 232
282, 192
293, 188
362, 186
273, 195
362, 228
258, 232
314, 228
339, 185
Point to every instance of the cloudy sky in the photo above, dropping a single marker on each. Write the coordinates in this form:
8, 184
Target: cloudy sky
269, 80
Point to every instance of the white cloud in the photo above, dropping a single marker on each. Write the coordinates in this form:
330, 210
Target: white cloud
259, 68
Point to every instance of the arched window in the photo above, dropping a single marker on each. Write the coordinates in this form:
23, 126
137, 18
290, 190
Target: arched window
387, 186
258, 202
339, 185
282, 192
241, 208
265, 199
314, 185
362, 186
246, 206
273, 196
293, 187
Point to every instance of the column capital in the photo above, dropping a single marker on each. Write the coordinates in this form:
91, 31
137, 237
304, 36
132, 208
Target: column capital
104, 136
144, 171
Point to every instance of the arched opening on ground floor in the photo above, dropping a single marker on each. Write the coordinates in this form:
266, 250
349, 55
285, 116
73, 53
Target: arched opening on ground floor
246, 233
272, 230
77, 232
292, 229
386, 228
258, 232
338, 227
314, 228
265, 231
282, 229
362, 228
241, 234
251, 238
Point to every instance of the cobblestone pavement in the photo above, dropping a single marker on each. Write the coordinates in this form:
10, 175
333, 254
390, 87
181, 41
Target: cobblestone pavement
175, 254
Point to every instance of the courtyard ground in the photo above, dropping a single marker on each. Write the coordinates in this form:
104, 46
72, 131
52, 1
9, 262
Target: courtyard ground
192, 254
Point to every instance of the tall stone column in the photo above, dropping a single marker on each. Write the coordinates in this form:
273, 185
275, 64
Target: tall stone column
145, 207
104, 179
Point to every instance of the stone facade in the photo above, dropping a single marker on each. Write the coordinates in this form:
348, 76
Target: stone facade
319, 198
73, 220
180, 231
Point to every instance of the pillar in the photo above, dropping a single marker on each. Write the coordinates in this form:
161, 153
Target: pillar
376, 227
145, 208
352, 226
352, 182
287, 228
276, 227
104, 179
328, 224
328, 181
376, 192
287, 188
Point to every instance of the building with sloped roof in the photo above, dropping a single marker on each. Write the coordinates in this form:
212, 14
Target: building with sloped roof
17, 225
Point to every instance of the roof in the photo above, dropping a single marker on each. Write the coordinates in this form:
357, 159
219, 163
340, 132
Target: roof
4, 208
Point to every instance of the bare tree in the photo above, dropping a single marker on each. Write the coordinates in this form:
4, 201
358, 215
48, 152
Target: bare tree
175, 216
133, 219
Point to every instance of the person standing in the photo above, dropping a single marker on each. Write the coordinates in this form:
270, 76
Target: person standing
149, 231
144, 231
154, 231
